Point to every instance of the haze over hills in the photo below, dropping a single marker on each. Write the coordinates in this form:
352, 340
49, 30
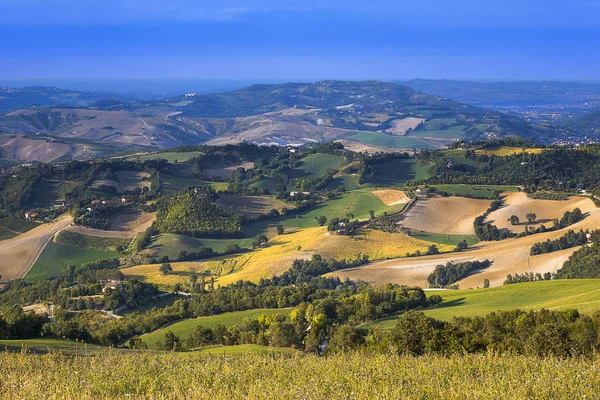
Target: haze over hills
365, 113
535, 101
19, 97
588, 124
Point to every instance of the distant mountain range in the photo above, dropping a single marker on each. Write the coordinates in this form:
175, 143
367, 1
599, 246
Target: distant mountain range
367, 115
539, 102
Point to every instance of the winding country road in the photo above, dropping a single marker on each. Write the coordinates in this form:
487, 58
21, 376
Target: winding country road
17, 255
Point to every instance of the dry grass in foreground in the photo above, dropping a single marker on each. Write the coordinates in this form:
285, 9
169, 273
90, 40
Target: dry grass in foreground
113, 375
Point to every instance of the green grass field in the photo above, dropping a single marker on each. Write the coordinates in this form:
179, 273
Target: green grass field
318, 164
171, 244
92, 242
397, 142
169, 156
580, 294
444, 239
13, 227
358, 203
45, 192
172, 184
474, 190
269, 184
57, 256
184, 328
17, 225
46, 345
161, 303
7, 233
397, 172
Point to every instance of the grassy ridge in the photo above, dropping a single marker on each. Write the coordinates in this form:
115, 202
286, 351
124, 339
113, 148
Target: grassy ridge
259, 376
184, 328
57, 256
440, 238
169, 156
487, 192
92, 242
580, 294
46, 345
17, 225
318, 164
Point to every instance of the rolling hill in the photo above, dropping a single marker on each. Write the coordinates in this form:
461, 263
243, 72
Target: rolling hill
377, 115
588, 124
15, 98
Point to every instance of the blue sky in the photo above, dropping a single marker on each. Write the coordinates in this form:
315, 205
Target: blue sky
287, 40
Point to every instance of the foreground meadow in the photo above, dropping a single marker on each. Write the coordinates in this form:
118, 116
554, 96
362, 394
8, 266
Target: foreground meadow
112, 375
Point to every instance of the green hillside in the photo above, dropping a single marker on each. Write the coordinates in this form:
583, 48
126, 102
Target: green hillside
580, 294
184, 328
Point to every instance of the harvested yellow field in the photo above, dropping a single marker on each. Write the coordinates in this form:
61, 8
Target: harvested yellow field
83, 230
18, 254
128, 180
151, 273
127, 224
282, 250
391, 197
508, 256
251, 206
509, 151
448, 215
517, 203
401, 126
133, 221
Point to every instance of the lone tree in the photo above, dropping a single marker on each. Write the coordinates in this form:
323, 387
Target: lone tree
322, 220
514, 220
461, 246
372, 214
530, 217
166, 269
280, 229
260, 240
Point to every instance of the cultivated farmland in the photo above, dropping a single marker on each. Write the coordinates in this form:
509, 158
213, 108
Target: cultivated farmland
251, 206
20, 253
448, 215
508, 257
278, 256
546, 210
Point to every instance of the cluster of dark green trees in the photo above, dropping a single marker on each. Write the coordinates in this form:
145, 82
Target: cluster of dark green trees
194, 212
487, 231
566, 241
584, 263
445, 275
541, 333
87, 280
528, 277
557, 169
536, 333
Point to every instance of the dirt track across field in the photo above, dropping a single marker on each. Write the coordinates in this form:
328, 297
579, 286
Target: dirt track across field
508, 256
17, 255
